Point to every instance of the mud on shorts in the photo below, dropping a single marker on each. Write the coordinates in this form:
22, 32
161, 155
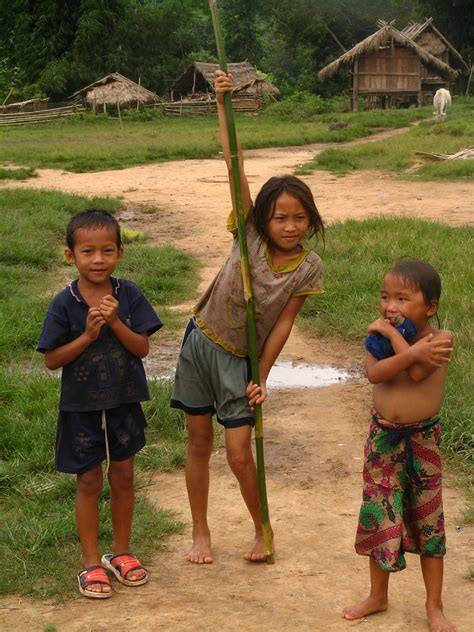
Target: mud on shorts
402, 508
210, 380
80, 439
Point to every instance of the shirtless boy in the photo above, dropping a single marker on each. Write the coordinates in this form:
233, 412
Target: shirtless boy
402, 507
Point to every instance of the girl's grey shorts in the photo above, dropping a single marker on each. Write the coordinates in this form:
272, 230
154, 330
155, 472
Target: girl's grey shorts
210, 380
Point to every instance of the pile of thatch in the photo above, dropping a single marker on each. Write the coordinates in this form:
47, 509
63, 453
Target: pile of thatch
386, 37
115, 89
198, 80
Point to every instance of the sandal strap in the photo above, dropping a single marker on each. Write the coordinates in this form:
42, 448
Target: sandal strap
93, 575
129, 563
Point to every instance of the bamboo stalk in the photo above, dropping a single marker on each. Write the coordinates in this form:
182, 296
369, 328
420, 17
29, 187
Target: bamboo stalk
247, 284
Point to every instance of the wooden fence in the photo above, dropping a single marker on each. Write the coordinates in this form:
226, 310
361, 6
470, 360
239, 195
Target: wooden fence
40, 116
201, 107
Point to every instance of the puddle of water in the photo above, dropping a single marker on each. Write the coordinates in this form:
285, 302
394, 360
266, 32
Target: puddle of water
286, 374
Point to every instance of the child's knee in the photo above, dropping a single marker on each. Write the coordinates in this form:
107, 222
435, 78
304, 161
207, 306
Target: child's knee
120, 475
90, 482
200, 445
240, 461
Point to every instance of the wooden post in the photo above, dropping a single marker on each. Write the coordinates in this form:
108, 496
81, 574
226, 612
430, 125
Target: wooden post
119, 115
355, 86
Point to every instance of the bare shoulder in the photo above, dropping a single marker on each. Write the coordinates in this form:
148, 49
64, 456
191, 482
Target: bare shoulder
443, 334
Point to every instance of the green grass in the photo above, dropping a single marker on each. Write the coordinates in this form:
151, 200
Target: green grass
38, 540
397, 154
17, 174
166, 275
91, 144
356, 256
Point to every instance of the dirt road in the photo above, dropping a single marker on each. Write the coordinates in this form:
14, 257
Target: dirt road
314, 440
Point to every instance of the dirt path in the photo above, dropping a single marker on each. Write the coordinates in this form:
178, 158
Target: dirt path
314, 440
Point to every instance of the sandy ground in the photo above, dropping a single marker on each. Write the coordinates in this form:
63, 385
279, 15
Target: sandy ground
313, 437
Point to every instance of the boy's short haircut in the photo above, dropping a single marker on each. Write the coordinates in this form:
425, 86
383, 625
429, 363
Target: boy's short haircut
419, 275
265, 203
92, 218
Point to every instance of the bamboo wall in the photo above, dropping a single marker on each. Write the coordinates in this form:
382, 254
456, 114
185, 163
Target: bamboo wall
388, 71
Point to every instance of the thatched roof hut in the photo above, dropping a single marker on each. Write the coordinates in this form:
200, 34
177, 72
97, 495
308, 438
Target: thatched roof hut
426, 35
114, 89
388, 64
198, 79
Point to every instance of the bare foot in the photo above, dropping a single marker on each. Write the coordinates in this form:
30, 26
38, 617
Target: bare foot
258, 552
200, 552
437, 620
371, 605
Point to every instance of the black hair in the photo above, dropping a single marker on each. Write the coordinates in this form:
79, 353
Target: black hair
265, 203
92, 218
419, 275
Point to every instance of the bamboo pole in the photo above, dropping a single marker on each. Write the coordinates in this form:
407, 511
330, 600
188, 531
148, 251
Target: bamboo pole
247, 284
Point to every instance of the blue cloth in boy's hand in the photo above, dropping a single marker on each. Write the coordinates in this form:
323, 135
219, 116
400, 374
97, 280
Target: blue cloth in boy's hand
381, 347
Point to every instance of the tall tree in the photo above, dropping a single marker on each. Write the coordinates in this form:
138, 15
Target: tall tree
239, 18
455, 19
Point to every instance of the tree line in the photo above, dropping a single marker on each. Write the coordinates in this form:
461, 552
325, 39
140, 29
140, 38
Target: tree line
54, 47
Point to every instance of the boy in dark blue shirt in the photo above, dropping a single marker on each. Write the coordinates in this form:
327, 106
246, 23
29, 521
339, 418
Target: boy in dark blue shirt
97, 330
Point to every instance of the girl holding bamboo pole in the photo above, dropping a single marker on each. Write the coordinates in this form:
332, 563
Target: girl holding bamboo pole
212, 376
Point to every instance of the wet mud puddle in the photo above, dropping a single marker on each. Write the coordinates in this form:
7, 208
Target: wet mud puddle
285, 374
288, 374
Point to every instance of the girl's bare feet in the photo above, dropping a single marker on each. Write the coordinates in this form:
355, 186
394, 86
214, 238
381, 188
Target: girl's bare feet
437, 620
257, 553
200, 552
371, 605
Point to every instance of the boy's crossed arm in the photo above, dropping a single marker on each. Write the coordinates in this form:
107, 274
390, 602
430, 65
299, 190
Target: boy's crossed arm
418, 360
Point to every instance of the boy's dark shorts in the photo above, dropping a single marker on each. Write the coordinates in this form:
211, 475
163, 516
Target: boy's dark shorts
80, 440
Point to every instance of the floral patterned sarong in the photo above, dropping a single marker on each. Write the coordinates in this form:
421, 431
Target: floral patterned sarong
402, 509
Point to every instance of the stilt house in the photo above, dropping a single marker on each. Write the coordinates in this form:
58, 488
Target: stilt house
426, 35
387, 69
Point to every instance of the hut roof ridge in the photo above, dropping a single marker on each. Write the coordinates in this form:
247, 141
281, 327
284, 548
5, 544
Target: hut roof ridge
415, 29
375, 41
245, 76
116, 76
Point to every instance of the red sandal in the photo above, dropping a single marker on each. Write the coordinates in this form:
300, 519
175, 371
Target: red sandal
93, 575
128, 563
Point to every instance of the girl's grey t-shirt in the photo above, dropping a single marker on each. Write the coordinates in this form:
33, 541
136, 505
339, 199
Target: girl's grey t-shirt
221, 311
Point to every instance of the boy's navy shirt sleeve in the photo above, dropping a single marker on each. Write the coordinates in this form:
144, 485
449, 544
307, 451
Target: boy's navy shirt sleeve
105, 375
141, 314
58, 329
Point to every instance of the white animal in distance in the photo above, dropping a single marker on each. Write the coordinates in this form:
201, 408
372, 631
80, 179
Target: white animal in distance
441, 100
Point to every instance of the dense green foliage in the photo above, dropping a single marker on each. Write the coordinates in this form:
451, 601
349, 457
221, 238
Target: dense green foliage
356, 256
54, 47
